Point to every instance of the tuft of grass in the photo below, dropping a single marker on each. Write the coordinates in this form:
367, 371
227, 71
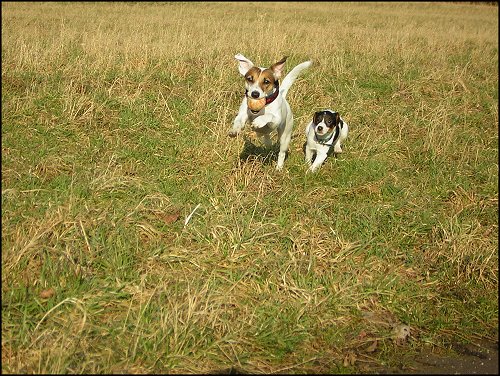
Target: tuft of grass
114, 130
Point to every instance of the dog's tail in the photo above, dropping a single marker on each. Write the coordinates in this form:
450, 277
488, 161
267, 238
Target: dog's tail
292, 76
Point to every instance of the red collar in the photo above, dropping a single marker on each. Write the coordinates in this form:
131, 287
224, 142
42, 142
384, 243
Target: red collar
274, 95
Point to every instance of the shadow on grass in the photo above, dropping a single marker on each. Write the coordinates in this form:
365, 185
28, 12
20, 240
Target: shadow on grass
252, 152
229, 371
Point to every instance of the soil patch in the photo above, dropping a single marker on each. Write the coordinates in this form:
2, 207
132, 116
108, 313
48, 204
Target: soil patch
472, 359
480, 358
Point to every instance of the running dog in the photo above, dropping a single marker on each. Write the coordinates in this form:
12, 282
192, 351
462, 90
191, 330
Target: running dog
324, 136
264, 106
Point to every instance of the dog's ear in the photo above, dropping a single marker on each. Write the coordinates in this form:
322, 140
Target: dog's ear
316, 117
337, 118
244, 64
277, 68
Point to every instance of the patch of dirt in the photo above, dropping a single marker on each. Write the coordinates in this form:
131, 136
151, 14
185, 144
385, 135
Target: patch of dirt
480, 359
470, 360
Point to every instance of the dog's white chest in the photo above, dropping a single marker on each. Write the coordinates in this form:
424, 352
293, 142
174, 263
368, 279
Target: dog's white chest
312, 142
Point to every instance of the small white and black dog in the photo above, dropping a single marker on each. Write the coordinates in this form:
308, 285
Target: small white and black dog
324, 136
264, 106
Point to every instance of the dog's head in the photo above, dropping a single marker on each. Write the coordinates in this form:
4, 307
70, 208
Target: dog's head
259, 82
324, 122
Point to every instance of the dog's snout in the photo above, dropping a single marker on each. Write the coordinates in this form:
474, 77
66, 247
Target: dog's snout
320, 128
255, 94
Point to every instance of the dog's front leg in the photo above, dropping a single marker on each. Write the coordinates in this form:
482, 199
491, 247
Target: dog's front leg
240, 120
318, 161
337, 149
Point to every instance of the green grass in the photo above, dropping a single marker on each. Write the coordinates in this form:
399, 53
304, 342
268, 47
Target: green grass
114, 128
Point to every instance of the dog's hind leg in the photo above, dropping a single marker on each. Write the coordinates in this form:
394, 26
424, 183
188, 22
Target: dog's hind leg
284, 138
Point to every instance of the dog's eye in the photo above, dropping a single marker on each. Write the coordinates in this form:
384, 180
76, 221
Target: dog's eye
266, 81
250, 78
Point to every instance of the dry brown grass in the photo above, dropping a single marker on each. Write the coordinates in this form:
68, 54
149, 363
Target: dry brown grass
114, 129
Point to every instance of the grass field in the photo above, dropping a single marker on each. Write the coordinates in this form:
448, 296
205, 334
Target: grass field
114, 129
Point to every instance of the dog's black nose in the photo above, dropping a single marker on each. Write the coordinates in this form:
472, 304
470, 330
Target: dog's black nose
320, 128
255, 94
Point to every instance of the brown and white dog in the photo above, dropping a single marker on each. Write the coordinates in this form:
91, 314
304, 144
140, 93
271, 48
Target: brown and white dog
264, 106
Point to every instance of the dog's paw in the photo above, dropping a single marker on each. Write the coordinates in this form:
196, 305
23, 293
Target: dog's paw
312, 169
259, 122
233, 133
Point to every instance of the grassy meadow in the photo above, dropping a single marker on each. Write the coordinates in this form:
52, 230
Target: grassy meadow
115, 120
